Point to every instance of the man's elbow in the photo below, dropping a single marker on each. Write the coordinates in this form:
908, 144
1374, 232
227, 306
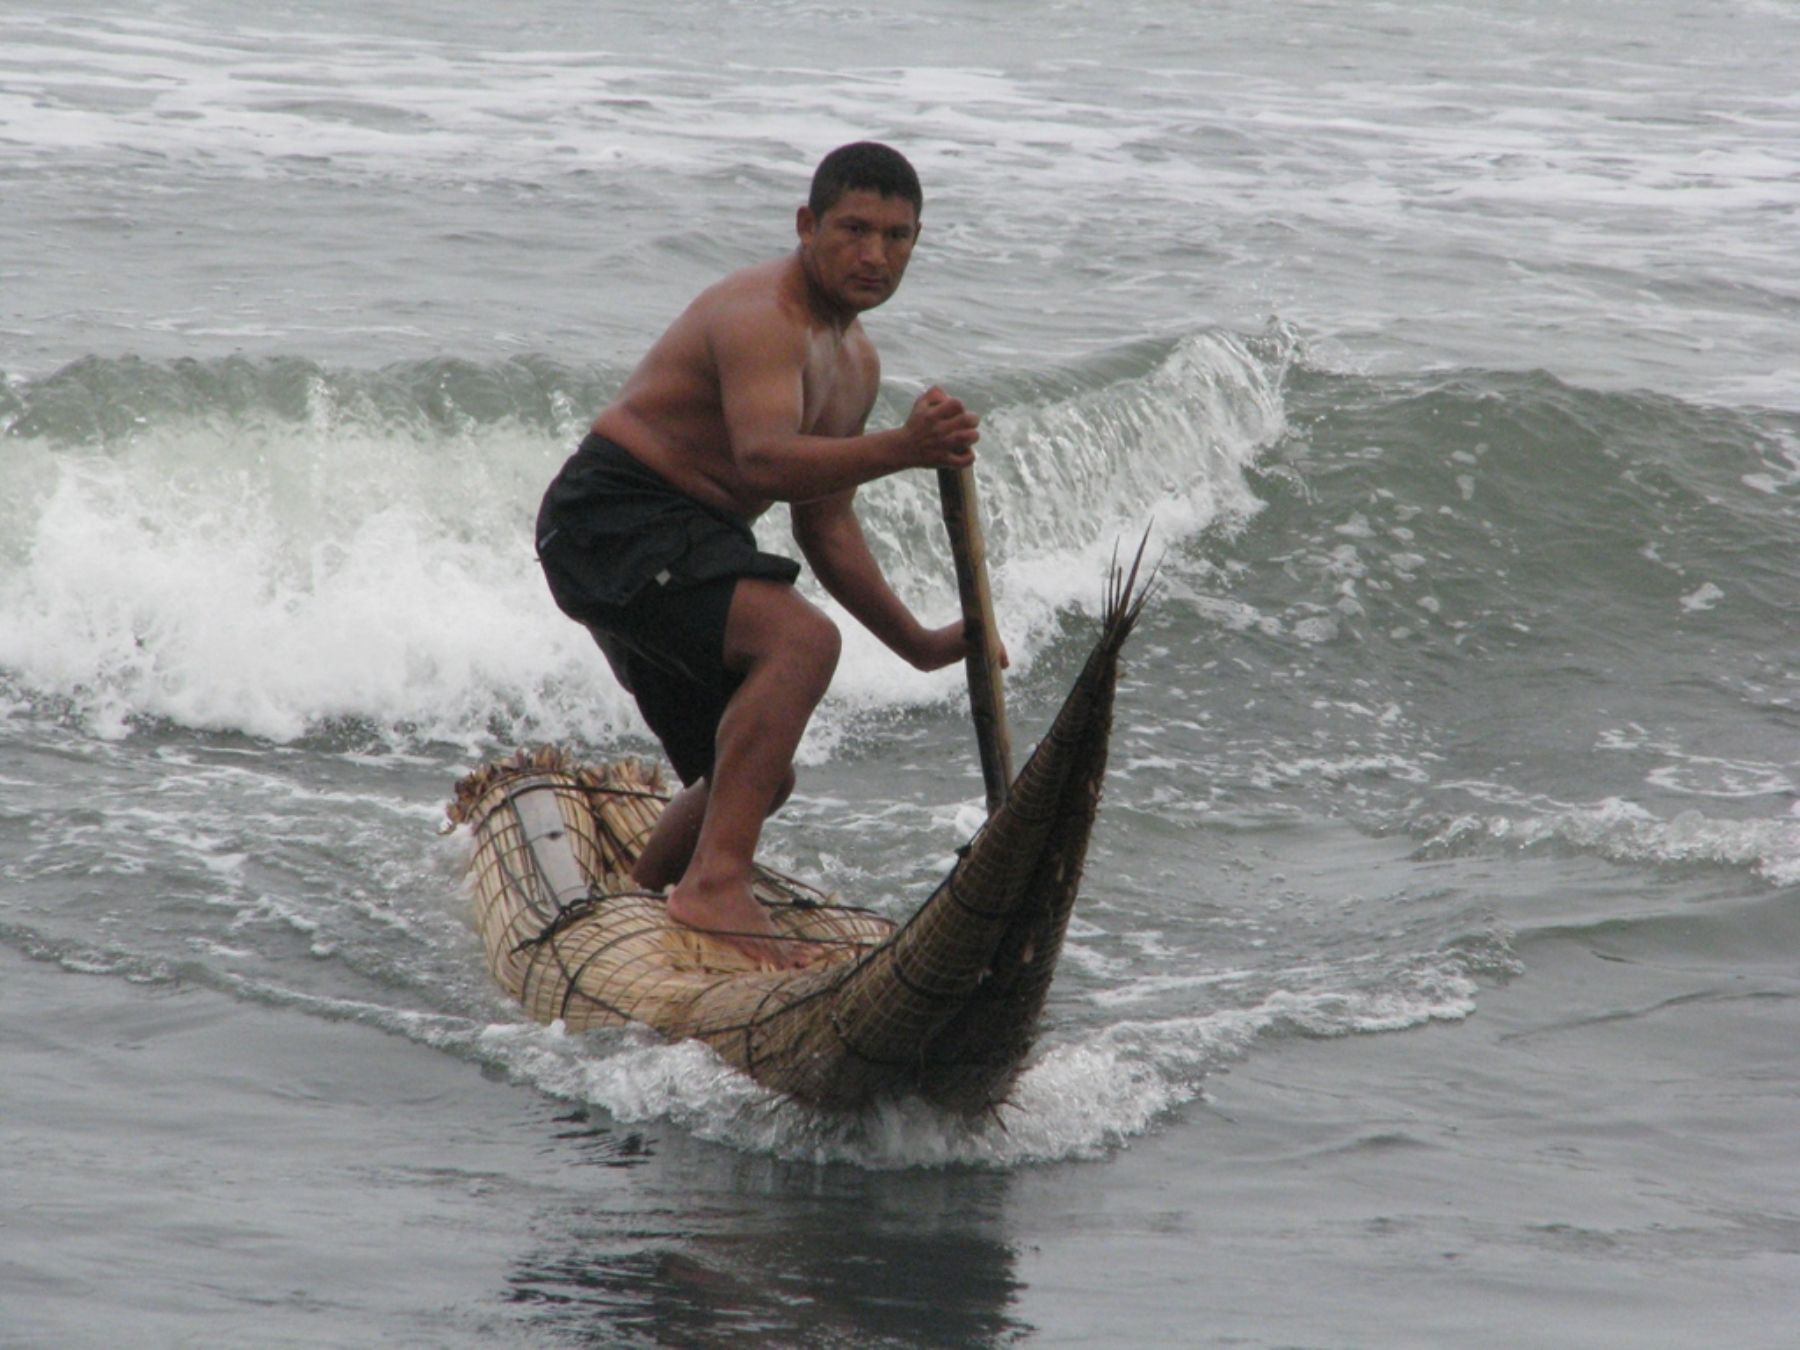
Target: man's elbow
822, 545
759, 468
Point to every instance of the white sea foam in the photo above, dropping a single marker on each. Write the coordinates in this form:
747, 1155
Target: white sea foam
1068, 487
1077, 1099
315, 577
1628, 832
1573, 179
272, 576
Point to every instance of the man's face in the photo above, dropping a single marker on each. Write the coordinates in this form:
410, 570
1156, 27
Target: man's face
858, 250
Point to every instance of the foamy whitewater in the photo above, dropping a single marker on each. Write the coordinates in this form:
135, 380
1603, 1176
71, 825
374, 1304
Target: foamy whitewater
1433, 981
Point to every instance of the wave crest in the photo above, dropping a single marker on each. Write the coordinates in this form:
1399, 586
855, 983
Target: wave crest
274, 547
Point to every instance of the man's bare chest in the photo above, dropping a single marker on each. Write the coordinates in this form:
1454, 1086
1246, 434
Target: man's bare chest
837, 390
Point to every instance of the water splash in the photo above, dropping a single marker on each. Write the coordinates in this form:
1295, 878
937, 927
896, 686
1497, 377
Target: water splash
276, 547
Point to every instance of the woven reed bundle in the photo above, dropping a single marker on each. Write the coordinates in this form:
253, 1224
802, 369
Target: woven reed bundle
945, 1007
570, 936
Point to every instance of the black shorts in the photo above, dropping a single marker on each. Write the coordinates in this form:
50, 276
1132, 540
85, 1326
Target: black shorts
668, 649
651, 572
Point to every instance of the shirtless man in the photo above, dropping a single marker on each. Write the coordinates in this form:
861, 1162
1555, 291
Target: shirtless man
757, 393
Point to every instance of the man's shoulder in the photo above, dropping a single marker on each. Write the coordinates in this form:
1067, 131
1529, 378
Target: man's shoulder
761, 285
861, 348
756, 301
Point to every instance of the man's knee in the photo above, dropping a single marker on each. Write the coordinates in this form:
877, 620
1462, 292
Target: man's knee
783, 792
820, 642
775, 627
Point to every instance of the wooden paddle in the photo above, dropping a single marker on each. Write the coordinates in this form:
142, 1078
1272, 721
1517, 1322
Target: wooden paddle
987, 696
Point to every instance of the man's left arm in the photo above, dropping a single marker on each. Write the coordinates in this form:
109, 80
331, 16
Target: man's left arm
831, 537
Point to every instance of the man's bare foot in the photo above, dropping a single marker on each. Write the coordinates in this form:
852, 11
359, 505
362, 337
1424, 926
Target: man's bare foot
734, 917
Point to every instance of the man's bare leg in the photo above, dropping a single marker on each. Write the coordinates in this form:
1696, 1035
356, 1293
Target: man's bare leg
787, 652
670, 847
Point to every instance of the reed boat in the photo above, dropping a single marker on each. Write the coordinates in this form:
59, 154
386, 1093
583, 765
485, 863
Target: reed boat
945, 1006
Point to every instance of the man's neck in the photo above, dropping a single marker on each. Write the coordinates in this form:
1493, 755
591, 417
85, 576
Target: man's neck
836, 317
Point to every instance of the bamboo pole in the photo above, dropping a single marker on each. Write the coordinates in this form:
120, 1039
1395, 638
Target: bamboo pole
987, 695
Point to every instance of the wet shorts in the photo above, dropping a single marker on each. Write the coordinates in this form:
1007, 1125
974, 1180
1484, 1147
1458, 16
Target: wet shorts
651, 573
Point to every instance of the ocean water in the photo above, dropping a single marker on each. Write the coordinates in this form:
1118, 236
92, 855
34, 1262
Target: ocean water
1434, 979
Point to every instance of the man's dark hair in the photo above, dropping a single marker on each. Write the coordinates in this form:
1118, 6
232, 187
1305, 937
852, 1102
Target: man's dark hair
865, 166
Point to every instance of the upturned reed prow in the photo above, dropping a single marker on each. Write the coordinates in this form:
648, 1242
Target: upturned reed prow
1026, 867
946, 1007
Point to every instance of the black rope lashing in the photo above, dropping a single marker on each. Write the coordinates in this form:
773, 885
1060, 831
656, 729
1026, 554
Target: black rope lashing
578, 910
608, 790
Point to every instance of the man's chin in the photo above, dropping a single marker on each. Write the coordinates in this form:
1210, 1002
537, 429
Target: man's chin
869, 297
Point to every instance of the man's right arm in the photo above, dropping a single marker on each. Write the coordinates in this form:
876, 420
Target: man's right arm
832, 539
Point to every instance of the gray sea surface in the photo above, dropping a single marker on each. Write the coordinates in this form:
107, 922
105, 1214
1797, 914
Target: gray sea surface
1433, 982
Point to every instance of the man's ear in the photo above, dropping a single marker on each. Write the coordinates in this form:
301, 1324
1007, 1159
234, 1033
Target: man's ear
805, 223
